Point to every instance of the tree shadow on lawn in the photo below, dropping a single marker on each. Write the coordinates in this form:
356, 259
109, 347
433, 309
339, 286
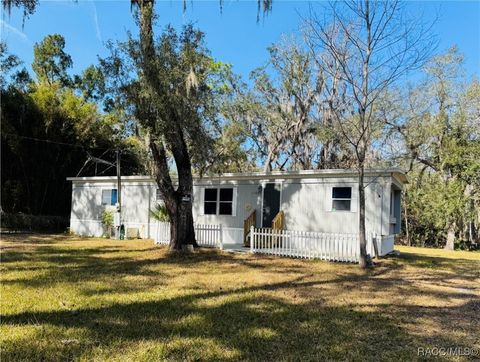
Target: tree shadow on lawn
35, 238
63, 264
75, 265
458, 265
60, 264
206, 326
254, 322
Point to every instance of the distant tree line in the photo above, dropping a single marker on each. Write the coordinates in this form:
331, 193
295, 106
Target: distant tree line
336, 97
50, 125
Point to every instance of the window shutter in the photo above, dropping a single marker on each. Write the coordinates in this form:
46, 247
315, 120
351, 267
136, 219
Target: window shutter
234, 202
328, 198
354, 202
202, 204
114, 197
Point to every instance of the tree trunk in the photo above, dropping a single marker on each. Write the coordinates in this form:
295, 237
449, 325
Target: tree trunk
184, 194
184, 218
450, 245
181, 227
179, 211
363, 142
364, 263
181, 222
178, 202
267, 167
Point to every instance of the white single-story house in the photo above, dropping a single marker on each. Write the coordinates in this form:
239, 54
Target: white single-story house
323, 201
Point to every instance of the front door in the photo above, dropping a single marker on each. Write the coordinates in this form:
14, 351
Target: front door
271, 204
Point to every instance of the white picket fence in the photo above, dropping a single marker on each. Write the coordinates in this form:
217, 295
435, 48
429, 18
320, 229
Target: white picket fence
309, 245
290, 243
209, 235
206, 235
161, 232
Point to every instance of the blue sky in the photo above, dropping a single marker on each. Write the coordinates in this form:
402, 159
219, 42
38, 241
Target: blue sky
233, 36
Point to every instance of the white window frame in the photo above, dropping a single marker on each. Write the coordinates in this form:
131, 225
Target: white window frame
217, 201
352, 199
110, 197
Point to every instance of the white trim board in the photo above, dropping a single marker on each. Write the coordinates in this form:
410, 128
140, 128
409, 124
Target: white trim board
273, 175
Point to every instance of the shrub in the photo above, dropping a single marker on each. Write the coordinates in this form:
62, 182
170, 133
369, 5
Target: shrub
107, 222
160, 213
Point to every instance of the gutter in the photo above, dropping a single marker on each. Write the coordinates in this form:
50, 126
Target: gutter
304, 174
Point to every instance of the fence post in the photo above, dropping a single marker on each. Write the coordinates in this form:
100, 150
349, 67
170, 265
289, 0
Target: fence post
221, 237
251, 239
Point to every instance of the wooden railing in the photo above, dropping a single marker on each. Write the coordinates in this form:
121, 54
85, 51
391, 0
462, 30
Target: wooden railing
247, 224
278, 222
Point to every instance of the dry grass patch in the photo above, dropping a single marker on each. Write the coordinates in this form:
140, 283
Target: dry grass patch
70, 298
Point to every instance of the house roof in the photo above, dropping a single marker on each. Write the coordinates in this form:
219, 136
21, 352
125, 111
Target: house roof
398, 173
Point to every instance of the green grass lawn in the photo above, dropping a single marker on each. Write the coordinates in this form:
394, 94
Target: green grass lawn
67, 298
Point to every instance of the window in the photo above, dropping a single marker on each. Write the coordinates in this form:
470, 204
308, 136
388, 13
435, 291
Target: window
210, 201
218, 201
226, 202
341, 198
109, 197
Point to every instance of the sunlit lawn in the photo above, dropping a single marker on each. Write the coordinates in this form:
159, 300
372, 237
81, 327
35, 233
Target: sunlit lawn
66, 298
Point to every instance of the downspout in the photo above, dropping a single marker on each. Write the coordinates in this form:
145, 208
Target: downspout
379, 236
148, 211
381, 210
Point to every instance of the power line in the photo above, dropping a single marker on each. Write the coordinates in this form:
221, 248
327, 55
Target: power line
55, 142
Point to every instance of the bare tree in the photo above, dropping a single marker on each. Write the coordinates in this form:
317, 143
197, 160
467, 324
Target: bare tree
435, 124
281, 112
364, 47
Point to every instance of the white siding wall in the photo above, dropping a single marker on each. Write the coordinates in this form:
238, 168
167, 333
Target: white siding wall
87, 208
248, 199
306, 203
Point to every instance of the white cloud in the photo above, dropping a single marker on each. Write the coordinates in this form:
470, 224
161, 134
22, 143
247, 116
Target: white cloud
95, 20
7, 28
